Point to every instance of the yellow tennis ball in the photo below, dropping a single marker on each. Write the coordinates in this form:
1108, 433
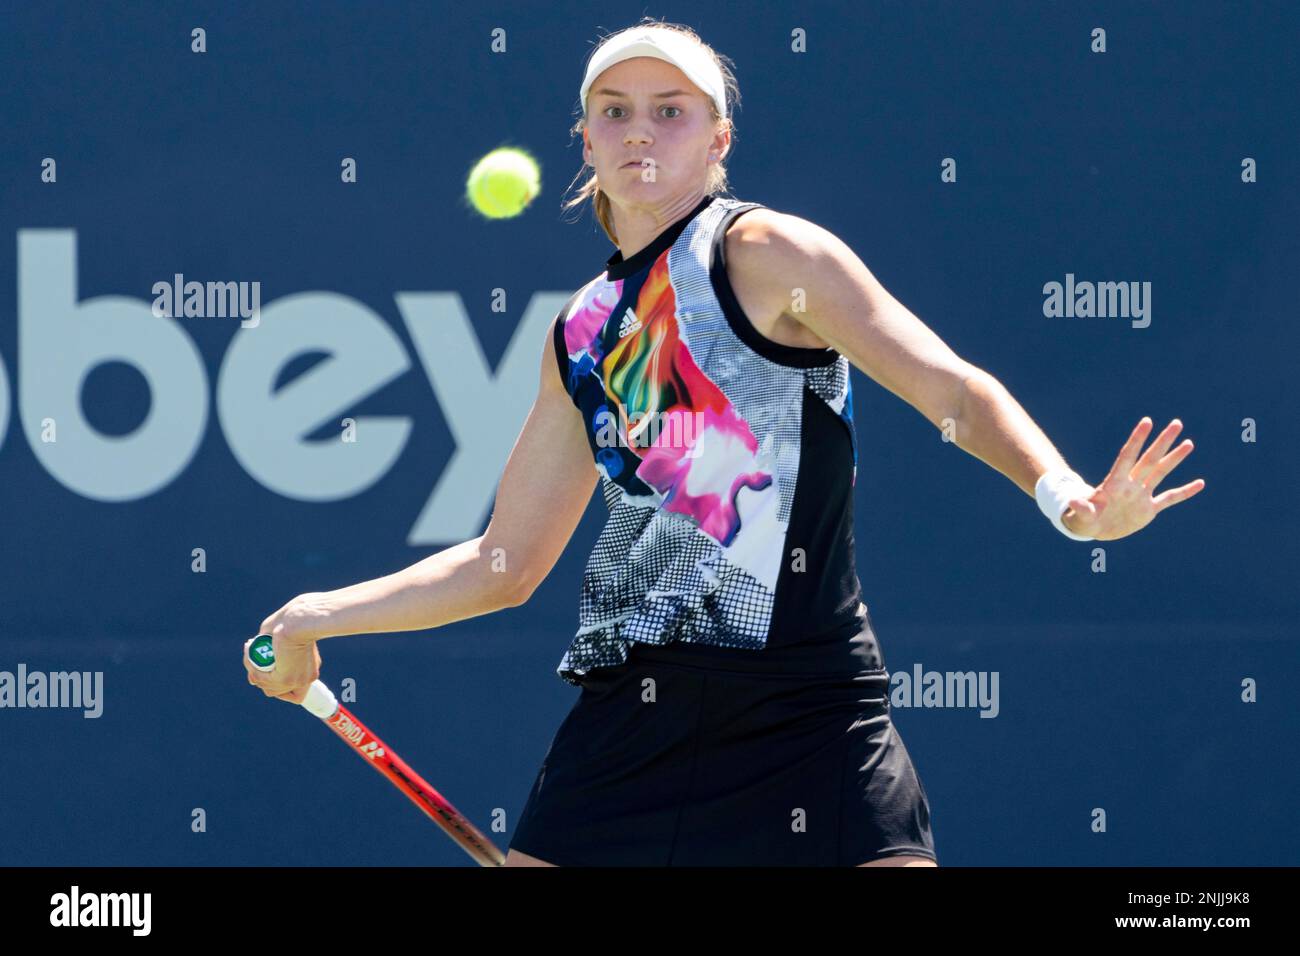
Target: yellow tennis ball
503, 183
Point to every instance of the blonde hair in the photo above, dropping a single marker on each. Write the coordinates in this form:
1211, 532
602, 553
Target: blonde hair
717, 181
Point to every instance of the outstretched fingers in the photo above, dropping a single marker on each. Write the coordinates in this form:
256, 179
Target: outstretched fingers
1127, 457
1175, 495
1168, 463
1145, 465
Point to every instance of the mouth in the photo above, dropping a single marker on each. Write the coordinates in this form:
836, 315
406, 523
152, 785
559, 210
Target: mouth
635, 162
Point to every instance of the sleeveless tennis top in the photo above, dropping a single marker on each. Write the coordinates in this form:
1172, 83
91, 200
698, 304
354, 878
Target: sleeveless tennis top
727, 463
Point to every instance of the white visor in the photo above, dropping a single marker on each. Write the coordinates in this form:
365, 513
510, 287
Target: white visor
671, 47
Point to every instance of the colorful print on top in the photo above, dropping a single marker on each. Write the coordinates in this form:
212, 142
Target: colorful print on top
661, 428
699, 439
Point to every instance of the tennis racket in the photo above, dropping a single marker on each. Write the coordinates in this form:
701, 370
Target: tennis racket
320, 700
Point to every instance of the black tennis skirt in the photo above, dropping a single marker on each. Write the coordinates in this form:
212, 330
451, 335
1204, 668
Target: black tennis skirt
687, 755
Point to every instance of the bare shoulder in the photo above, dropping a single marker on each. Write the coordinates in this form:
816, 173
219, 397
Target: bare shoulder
776, 243
769, 254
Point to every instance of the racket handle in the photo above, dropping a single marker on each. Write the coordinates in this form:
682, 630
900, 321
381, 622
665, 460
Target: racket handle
320, 700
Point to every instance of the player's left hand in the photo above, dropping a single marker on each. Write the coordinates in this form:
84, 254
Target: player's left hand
1123, 503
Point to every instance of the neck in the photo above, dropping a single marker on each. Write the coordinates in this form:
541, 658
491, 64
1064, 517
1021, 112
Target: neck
637, 226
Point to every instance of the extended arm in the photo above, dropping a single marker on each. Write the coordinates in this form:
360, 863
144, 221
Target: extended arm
847, 308
544, 489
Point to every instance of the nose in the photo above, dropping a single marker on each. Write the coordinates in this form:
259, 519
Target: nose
637, 135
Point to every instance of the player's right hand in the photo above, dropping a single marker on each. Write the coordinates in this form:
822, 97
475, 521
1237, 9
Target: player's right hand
297, 659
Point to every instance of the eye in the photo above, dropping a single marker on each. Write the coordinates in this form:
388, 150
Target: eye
667, 107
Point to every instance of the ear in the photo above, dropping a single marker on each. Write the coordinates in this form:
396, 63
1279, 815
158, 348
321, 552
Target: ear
721, 144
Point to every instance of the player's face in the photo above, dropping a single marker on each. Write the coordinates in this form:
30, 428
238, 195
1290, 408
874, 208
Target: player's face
629, 120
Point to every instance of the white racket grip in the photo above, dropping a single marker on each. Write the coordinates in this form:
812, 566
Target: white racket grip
320, 700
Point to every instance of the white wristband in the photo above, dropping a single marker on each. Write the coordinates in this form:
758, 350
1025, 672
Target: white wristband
1054, 490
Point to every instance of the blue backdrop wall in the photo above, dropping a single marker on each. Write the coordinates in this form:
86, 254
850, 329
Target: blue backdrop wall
1121, 690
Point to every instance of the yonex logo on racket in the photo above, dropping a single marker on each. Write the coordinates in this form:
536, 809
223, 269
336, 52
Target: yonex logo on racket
347, 728
262, 650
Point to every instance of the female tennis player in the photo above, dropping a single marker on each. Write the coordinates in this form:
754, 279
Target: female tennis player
734, 699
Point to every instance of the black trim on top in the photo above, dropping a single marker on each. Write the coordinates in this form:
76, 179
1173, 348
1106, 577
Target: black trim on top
616, 267
557, 338
560, 357
797, 356
819, 603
